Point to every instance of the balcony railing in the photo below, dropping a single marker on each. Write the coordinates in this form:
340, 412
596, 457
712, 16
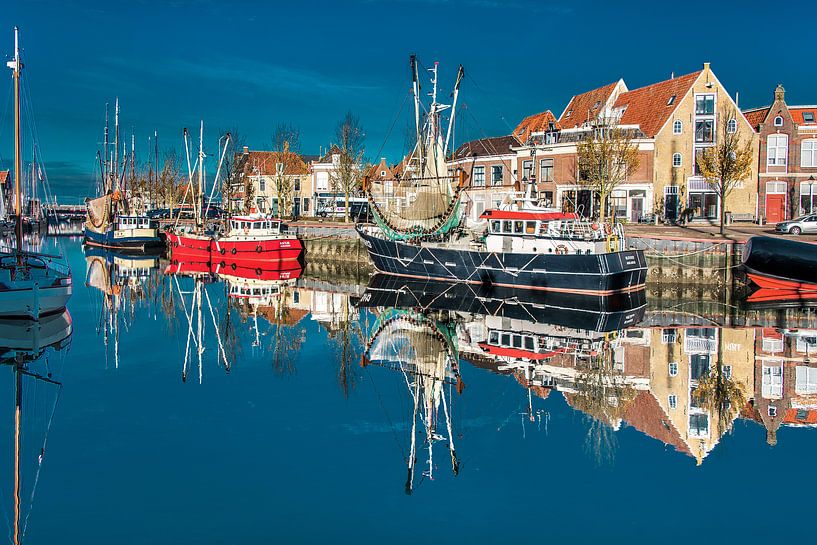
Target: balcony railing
700, 344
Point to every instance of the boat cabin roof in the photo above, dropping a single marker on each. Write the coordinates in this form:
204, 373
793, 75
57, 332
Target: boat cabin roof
527, 215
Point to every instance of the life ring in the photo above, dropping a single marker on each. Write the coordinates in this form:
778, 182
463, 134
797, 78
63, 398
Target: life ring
233, 250
561, 249
594, 226
607, 229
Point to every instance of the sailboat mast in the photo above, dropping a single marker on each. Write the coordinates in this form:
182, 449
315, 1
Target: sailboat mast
116, 143
460, 73
200, 194
16, 66
415, 87
105, 173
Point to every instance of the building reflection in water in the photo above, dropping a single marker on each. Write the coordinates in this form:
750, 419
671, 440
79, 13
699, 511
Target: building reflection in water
682, 380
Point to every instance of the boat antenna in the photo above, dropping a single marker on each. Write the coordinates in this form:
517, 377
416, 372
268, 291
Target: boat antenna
200, 195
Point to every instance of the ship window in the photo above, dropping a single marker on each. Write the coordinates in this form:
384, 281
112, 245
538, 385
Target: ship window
530, 228
517, 226
517, 341
506, 339
495, 226
506, 226
493, 337
528, 343
257, 225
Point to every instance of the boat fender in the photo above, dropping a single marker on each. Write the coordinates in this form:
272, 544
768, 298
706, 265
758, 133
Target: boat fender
258, 271
595, 226
233, 251
222, 251
222, 263
232, 266
561, 249
259, 249
246, 231
607, 229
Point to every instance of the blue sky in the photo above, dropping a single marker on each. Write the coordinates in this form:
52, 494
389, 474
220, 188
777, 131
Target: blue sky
250, 65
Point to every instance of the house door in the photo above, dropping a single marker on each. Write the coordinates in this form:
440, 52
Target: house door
636, 209
296, 207
775, 208
671, 207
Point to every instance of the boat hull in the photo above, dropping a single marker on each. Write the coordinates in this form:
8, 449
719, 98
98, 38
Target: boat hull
593, 275
33, 304
596, 313
264, 254
139, 242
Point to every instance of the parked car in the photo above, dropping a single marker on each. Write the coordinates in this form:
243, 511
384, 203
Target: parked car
803, 224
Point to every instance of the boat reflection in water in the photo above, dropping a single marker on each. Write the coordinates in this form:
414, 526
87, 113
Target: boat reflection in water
125, 283
26, 364
678, 378
252, 292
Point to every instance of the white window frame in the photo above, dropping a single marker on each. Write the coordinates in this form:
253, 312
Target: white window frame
780, 144
672, 401
805, 380
778, 121
494, 181
677, 127
772, 411
808, 153
677, 160
732, 126
672, 368
772, 380
479, 176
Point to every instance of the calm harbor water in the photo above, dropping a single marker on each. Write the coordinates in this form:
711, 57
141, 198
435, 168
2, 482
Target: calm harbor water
295, 421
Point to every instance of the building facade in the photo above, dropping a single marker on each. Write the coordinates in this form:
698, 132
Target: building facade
787, 158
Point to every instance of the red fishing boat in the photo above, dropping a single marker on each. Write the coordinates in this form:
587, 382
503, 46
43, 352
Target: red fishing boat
254, 241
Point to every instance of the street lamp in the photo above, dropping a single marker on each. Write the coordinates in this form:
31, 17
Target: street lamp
811, 194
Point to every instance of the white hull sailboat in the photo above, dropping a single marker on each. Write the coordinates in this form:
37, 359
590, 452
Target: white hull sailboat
31, 284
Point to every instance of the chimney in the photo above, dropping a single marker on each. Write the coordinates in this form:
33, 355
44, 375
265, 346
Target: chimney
779, 93
246, 150
672, 75
706, 66
737, 99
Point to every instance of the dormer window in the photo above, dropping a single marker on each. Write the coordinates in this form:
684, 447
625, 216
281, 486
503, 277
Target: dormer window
596, 105
568, 113
808, 117
778, 121
671, 100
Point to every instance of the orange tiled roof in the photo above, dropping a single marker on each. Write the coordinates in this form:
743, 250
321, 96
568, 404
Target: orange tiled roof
646, 415
375, 171
797, 114
4, 176
586, 106
649, 107
802, 417
756, 116
534, 123
266, 161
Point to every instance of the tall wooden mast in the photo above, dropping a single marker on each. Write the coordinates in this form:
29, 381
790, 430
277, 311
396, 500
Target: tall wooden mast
16, 66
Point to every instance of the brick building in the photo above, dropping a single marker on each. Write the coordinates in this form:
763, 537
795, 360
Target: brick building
787, 158
491, 175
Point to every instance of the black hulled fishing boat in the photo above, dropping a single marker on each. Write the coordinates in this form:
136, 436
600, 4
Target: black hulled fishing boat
417, 231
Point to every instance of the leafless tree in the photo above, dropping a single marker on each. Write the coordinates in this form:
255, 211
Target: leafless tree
728, 163
286, 143
347, 175
607, 157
